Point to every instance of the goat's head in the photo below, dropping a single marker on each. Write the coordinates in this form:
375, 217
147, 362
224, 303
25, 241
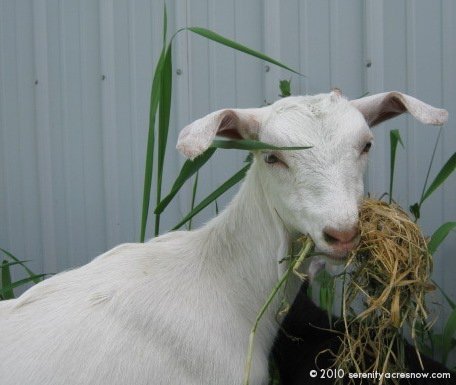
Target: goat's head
316, 191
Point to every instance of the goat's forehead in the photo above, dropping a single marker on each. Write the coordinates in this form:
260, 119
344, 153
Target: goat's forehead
313, 120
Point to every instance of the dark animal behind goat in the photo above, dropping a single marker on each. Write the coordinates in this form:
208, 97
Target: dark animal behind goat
302, 337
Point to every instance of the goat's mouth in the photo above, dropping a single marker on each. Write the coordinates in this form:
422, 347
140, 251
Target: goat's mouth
339, 252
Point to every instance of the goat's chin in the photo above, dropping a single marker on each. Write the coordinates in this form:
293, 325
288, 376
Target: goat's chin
337, 258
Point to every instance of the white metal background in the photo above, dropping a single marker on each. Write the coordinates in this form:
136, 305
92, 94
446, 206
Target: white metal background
75, 80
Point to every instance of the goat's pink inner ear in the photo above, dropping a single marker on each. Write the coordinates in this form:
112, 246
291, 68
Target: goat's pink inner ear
196, 138
380, 107
389, 108
229, 126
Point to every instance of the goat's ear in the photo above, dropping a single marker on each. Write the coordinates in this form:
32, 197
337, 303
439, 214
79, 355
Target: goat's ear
380, 107
196, 138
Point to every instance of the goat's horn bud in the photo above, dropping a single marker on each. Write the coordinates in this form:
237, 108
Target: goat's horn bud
336, 94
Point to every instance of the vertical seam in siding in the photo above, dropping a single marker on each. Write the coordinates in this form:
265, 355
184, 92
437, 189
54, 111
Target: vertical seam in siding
84, 252
131, 108
2, 141
19, 128
63, 113
43, 146
107, 62
133, 113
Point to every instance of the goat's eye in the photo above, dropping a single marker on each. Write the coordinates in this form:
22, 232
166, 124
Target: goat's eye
367, 147
271, 158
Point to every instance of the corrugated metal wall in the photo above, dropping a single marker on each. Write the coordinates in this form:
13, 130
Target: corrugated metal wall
74, 94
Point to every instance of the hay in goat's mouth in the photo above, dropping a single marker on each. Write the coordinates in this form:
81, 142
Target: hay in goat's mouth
390, 273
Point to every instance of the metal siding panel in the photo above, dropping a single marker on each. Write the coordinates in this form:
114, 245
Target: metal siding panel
198, 60
70, 45
429, 88
425, 37
304, 57
6, 75
43, 139
346, 31
4, 228
123, 150
410, 30
289, 43
374, 50
58, 172
94, 207
140, 40
395, 67
12, 190
317, 42
30, 234
109, 122
248, 21
272, 47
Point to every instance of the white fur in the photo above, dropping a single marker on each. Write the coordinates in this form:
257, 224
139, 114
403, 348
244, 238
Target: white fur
178, 309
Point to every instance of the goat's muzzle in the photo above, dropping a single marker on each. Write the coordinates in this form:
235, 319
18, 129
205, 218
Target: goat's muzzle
341, 241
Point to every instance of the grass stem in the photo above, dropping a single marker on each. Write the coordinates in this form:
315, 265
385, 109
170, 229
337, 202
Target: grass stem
305, 251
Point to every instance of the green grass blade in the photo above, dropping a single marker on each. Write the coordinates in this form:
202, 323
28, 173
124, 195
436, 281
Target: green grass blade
195, 186
445, 295
216, 208
21, 282
15, 263
236, 178
189, 168
439, 236
244, 144
437, 340
7, 291
208, 34
154, 100
285, 88
415, 209
430, 164
395, 138
448, 333
443, 174
165, 23
309, 291
326, 292
163, 125
29, 272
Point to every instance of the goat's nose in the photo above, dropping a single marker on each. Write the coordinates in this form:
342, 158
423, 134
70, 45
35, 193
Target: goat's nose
336, 237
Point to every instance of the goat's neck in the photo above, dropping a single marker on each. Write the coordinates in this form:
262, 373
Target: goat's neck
245, 243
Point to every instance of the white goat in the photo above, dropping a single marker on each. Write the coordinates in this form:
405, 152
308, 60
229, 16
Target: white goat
178, 309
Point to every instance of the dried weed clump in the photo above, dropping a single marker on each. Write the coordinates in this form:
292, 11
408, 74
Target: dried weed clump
390, 273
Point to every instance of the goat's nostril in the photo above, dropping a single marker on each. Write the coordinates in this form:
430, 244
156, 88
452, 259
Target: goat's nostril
329, 238
334, 236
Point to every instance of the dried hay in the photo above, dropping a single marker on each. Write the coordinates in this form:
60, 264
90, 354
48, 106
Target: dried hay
390, 274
